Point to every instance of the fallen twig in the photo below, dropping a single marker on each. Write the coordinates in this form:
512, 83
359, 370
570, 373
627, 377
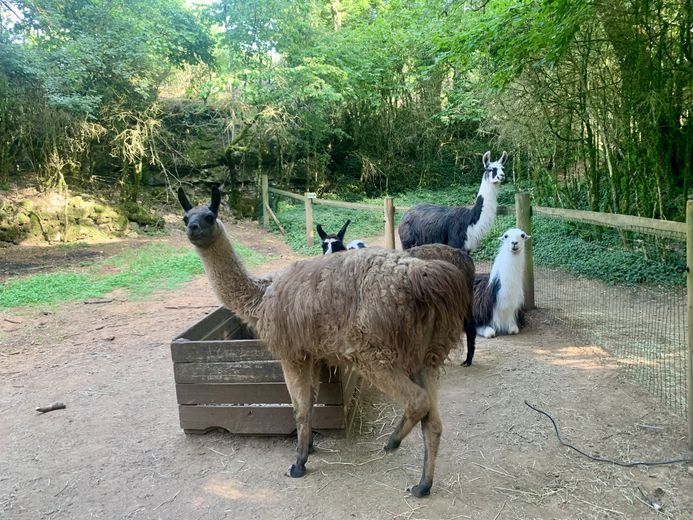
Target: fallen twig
189, 306
89, 302
353, 463
601, 508
169, 500
53, 406
494, 470
501, 510
63, 489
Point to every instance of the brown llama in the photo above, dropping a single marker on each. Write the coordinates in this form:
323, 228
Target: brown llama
392, 316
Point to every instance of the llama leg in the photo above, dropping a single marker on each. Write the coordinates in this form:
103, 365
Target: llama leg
299, 382
314, 397
513, 328
432, 428
414, 398
470, 332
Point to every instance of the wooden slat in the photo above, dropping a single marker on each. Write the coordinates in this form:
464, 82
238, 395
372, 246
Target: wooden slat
250, 393
286, 194
347, 205
209, 323
232, 328
616, 220
262, 420
223, 372
219, 350
239, 372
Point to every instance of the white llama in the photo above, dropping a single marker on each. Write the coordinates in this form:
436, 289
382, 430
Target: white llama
499, 297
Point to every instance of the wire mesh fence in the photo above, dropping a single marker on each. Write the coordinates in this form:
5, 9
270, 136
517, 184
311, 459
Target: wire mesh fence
624, 291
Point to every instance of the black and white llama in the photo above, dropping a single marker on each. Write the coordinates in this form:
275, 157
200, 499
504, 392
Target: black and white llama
499, 296
459, 227
335, 243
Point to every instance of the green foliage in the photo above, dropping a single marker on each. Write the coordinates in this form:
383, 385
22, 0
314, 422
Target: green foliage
586, 93
77, 76
138, 271
603, 254
357, 97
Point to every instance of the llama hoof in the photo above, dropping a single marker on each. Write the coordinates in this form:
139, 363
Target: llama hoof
467, 363
514, 330
392, 445
486, 332
421, 490
296, 471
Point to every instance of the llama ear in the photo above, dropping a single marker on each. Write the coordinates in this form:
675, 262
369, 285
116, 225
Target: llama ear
321, 232
486, 159
503, 158
216, 200
342, 231
527, 237
183, 199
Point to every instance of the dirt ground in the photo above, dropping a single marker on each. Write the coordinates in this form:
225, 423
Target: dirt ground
117, 451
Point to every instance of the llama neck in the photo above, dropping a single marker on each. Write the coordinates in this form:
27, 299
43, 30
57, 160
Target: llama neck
508, 268
235, 288
486, 207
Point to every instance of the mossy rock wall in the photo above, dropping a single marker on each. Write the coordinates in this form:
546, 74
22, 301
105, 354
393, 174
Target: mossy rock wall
54, 218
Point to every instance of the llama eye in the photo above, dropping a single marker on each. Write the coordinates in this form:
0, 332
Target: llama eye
209, 218
505, 236
523, 235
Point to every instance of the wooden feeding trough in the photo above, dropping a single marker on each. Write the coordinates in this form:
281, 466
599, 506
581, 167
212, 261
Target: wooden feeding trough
226, 378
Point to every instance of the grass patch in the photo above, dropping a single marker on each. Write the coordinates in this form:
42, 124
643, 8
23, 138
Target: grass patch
138, 271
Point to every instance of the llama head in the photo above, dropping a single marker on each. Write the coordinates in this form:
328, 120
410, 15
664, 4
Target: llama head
514, 240
493, 170
201, 221
333, 243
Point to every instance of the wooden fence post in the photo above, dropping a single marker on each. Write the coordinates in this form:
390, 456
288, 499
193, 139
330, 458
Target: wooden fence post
265, 200
523, 220
308, 203
689, 282
389, 222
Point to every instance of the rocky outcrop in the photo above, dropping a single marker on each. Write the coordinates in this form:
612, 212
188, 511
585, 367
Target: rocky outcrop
48, 218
